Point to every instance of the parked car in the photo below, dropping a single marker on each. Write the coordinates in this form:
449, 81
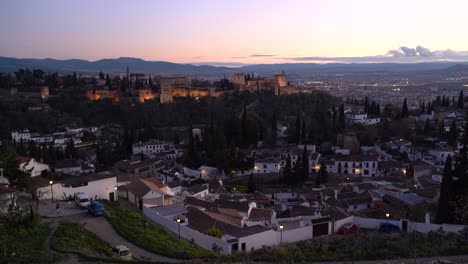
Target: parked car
387, 227
96, 208
123, 252
348, 228
81, 199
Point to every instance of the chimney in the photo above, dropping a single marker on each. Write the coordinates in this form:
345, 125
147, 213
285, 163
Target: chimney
336, 194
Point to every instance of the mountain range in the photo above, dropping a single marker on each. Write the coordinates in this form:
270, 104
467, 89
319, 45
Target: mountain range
119, 65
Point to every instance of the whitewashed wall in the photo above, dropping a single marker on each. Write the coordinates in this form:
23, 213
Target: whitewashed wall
187, 233
101, 188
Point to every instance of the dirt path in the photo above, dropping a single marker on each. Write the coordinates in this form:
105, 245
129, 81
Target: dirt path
67, 257
103, 229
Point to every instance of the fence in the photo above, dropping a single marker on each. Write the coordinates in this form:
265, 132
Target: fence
187, 233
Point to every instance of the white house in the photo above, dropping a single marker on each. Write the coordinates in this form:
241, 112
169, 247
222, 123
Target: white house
197, 191
413, 153
361, 118
441, 154
42, 139
71, 167
33, 166
102, 185
150, 147
22, 135
142, 192
267, 165
355, 165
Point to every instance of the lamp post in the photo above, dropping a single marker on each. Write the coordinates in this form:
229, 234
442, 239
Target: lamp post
51, 190
281, 237
387, 215
178, 226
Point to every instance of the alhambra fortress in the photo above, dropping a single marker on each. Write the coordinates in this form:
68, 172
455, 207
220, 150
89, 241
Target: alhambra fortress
165, 89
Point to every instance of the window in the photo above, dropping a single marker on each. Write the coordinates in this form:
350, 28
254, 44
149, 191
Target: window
367, 164
366, 172
235, 247
243, 246
264, 166
373, 164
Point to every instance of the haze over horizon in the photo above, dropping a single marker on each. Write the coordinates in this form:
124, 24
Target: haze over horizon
235, 33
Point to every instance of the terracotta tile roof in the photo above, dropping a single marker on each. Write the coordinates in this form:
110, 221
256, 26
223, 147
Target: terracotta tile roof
140, 187
257, 214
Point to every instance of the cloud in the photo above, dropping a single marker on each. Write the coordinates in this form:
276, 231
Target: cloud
254, 55
239, 57
403, 54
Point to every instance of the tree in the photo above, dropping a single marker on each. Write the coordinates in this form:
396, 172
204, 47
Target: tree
251, 185
323, 172
244, 126
70, 151
446, 188
460, 103
274, 126
342, 118
453, 134
305, 164
428, 127
298, 127
404, 109
287, 170
18, 180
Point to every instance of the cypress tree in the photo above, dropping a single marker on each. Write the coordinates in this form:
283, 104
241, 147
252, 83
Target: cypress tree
342, 118
453, 134
274, 126
244, 126
251, 184
460, 103
298, 127
287, 171
446, 188
305, 164
404, 109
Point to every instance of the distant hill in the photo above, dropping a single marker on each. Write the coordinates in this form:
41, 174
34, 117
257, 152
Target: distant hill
333, 68
167, 68
111, 66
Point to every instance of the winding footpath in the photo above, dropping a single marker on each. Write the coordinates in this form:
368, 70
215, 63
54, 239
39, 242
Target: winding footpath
66, 257
103, 229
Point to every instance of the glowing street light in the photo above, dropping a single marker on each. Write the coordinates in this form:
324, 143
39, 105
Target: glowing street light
281, 238
178, 225
387, 215
51, 190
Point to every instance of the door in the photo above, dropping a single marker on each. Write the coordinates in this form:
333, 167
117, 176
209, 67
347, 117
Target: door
404, 226
111, 197
320, 229
140, 204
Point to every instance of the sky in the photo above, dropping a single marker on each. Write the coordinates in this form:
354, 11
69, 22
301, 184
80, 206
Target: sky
235, 32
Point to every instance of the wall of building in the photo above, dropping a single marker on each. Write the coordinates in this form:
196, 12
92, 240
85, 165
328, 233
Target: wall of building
187, 233
101, 188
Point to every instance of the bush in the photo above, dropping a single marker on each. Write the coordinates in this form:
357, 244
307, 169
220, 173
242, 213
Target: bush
24, 244
151, 237
72, 238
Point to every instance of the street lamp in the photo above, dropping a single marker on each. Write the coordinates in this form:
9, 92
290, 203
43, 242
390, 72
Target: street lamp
281, 240
178, 225
387, 215
51, 190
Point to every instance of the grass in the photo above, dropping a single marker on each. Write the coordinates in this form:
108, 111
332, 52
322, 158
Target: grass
72, 238
20, 244
153, 238
368, 246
